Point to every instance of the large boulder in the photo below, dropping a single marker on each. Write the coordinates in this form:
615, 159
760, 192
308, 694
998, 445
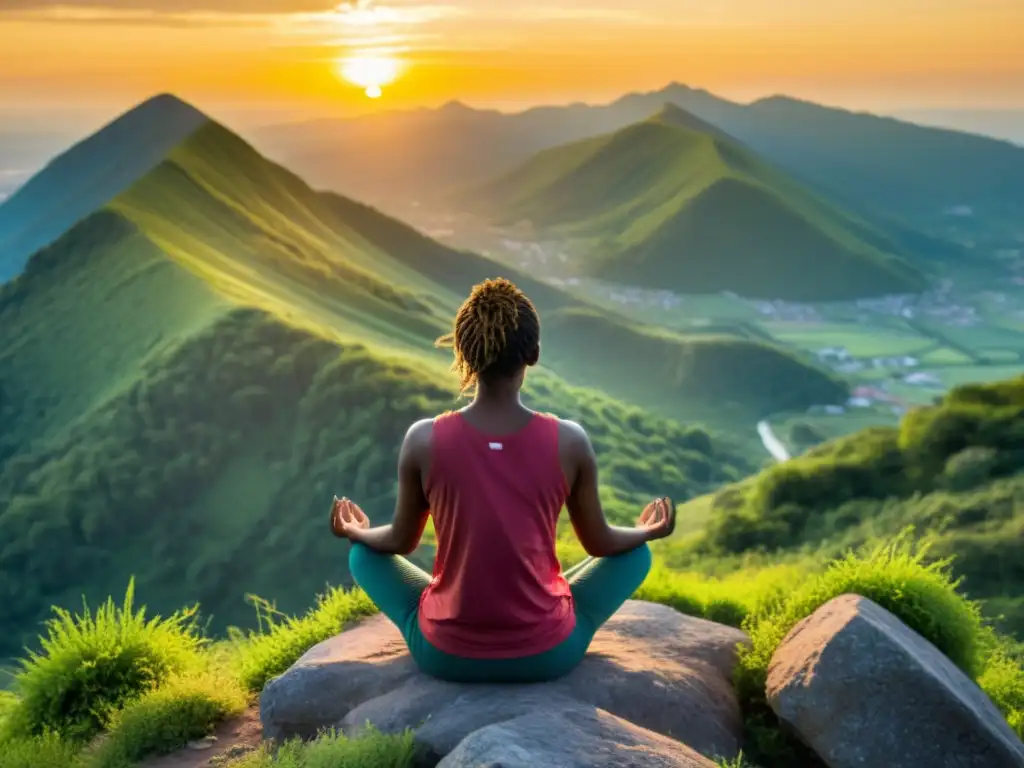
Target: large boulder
650, 670
861, 688
570, 736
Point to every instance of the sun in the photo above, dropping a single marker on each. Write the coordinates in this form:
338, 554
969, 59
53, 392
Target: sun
370, 72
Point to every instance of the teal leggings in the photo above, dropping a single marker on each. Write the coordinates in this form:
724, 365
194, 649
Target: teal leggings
599, 588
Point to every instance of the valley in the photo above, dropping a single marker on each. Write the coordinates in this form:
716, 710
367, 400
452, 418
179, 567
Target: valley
896, 351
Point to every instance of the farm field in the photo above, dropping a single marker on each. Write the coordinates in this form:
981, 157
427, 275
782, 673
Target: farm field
859, 341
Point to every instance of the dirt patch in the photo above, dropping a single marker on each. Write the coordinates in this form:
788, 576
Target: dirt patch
232, 738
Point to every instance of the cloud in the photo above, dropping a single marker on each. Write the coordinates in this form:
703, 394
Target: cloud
169, 7
281, 14
356, 13
543, 13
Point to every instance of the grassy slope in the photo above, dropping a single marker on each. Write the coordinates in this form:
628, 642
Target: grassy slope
184, 392
706, 373
668, 206
951, 470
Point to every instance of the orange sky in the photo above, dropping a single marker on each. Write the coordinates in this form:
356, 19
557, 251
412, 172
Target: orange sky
871, 54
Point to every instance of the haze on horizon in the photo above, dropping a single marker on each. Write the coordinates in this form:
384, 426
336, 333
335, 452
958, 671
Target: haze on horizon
97, 57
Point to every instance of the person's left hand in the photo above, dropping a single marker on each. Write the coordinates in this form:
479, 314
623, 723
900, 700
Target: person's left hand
658, 519
346, 517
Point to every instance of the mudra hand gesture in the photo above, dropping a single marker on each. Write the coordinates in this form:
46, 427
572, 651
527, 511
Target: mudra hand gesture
658, 519
346, 516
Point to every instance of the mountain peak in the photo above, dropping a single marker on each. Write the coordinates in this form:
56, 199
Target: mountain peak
89, 174
674, 115
166, 104
456, 107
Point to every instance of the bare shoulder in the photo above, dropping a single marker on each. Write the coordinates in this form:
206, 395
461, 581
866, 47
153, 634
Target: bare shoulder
573, 438
418, 435
416, 445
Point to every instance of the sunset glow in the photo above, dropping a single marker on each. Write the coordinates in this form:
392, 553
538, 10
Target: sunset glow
428, 52
371, 73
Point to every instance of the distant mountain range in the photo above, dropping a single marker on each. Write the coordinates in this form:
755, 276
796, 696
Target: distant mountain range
877, 166
1005, 124
206, 348
674, 202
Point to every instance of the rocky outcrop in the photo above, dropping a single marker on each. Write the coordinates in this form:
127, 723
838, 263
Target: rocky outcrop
570, 736
862, 689
653, 681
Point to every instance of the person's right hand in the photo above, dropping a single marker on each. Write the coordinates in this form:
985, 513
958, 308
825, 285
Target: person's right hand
346, 516
658, 519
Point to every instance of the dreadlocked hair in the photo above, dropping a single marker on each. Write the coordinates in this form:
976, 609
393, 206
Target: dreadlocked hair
496, 332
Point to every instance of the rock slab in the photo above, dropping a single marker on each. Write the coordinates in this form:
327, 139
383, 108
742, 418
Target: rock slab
861, 688
575, 736
652, 672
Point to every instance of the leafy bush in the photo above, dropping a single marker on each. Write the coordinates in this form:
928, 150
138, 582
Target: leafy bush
371, 750
279, 643
969, 468
165, 719
92, 664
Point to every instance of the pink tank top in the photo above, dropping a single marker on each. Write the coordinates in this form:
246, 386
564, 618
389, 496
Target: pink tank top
498, 589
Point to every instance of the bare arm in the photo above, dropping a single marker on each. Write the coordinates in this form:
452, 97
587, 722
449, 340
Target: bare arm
598, 537
402, 535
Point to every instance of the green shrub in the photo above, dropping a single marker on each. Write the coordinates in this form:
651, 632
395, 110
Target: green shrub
182, 709
92, 664
8, 701
46, 751
278, 644
372, 750
1003, 681
969, 468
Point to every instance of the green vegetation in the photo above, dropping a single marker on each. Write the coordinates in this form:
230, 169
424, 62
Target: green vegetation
91, 665
920, 594
859, 341
739, 377
182, 391
337, 412
166, 718
970, 439
281, 640
373, 750
766, 601
188, 375
669, 204
951, 470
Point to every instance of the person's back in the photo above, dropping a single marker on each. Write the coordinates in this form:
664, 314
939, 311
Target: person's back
498, 590
495, 477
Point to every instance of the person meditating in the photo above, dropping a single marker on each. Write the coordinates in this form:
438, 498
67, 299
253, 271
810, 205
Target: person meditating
495, 476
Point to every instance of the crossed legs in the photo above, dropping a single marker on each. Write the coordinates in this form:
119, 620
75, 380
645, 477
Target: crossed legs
599, 587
